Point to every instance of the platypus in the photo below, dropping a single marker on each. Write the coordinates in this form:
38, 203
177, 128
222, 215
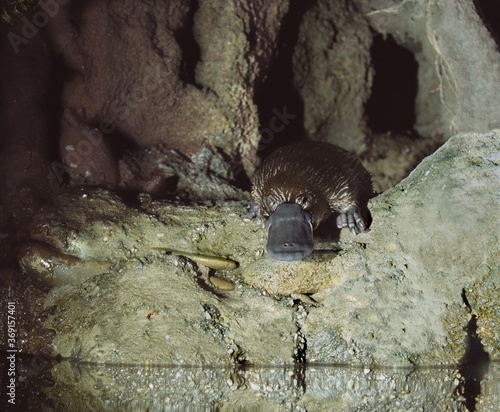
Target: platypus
299, 186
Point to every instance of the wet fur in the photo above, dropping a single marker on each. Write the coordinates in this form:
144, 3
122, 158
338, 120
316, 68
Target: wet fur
321, 177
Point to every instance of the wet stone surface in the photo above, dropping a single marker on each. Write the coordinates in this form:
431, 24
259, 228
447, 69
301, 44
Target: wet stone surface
401, 294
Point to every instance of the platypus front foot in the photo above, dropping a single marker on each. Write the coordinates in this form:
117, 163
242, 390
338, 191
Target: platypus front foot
351, 218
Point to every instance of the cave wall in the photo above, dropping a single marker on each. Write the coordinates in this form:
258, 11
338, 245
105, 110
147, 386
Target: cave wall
458, 76
196, 77
332, 72
178, 74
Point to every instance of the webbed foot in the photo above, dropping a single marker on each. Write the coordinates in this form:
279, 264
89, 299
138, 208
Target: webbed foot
253, 210
351, 218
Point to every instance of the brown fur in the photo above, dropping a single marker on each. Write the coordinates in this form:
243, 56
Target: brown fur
321, 177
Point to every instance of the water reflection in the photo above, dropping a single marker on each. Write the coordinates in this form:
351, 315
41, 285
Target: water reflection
84, 387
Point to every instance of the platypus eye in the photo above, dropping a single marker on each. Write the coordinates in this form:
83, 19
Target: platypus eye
272, 202
303, 200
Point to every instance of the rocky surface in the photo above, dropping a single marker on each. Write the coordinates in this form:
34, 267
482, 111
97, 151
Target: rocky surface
401, 294
334, 71
490, 390
428, 247
450, 43
162, 76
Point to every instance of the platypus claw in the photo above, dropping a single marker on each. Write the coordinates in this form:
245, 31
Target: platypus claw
351, 218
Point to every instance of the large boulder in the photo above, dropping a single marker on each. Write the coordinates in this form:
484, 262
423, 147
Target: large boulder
401, 294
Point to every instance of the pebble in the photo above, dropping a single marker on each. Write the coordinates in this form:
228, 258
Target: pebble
222, 284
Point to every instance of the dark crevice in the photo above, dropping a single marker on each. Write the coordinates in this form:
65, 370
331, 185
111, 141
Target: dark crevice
236, 173
189, 47
391, 106
465, 300
277, 93
474, 364
299, 377
300, 340
489, 12
239, 178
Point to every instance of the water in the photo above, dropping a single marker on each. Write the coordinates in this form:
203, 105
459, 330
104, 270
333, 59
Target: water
72, 386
